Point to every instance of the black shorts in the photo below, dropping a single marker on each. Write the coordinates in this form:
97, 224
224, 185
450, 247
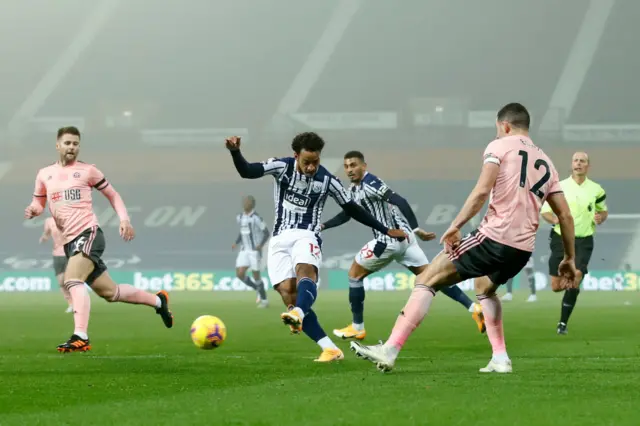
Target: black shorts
59, 264
478, 256
584, 248
91, 244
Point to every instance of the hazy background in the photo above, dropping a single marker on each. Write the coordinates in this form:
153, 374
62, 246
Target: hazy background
415, 84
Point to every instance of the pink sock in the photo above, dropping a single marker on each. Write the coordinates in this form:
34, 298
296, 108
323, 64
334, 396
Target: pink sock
66, 294
81, 305
129, 294
492, 310
411, 316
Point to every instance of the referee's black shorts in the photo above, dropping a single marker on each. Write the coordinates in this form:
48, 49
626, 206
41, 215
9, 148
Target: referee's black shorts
584, 248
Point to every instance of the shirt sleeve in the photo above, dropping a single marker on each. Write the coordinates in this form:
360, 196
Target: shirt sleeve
337, 191
378, 189
274, 167
601, 204
40, 189
96, 179
261, 225
494, 152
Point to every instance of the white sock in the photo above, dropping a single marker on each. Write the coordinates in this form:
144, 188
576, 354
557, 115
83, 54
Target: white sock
158, 302
326, 343
300, 313
358, 327
81, 335
472, 308
500, 358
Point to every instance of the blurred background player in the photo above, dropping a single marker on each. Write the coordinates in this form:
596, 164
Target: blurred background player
373, 194
302, 186
67, 186
59, 259
516, 177
251, 239
531, 279
588, 207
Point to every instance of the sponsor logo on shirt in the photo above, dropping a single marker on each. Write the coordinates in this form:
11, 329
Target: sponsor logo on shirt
72, 194
297, 199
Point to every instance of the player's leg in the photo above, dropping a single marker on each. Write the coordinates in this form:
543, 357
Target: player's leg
374, 256
508, 296
282, 273
59, 266
79, 267
492, 308
441, 273
306, 256
555, 257
257, 279
242, 264
417, 262
531, 279
584, 249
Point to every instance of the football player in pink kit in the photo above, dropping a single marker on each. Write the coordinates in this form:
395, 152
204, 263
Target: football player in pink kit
59, 258
517, 177
67, 186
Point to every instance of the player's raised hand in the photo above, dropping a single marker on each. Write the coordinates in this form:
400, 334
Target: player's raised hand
424, 235
126, 230
567, 272
398, 234
233, 143
32, 211
451, 239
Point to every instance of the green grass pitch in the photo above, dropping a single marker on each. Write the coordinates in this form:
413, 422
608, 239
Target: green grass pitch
141, 373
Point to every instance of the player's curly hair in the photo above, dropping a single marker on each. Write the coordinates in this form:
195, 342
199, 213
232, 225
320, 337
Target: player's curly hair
309, 141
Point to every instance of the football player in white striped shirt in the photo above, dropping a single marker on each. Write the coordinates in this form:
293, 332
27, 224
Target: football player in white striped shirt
251, 238
394, 211
301, 189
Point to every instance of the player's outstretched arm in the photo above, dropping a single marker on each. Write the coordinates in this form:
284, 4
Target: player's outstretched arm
355, 211
245, 169
338, 220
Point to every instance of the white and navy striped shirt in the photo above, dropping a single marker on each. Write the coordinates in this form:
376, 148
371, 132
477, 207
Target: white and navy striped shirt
253, 231
373, 195
299, 200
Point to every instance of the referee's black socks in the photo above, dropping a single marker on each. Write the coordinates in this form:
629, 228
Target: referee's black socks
568, 303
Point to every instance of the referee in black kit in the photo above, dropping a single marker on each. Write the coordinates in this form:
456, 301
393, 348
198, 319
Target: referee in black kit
586, 200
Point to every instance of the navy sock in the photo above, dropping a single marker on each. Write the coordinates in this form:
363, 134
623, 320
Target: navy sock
458, 295
307, 292
261, 290
356, 300
510, 285
532, 282
311, 327
247, 281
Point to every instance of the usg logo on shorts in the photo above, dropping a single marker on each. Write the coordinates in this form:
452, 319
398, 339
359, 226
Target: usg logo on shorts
297, 199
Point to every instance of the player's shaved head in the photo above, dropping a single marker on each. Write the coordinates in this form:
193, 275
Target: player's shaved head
580, 164
248, 203
581, 155
516, 115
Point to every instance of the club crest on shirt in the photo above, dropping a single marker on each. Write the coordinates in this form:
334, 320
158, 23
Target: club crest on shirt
316, 187
76, 175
